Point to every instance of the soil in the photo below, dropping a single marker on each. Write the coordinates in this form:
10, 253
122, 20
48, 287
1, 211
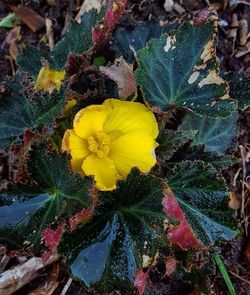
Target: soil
233, 253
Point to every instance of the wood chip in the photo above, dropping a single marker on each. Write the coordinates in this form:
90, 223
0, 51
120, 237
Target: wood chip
243, 31
27, 15
13, 279
169, 5
179, 9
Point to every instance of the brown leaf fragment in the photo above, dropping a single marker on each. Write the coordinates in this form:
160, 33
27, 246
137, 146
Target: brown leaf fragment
243, 51
234, 201
122, 73
11, 39
27, 15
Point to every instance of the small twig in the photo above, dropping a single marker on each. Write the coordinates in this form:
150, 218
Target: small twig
239, 277
242, 212
236, 176
49, 32
66, 287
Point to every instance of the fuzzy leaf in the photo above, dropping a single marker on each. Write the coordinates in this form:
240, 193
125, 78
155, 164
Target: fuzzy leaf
202, 195
181, 70
216, 134
197, 153
76, 40
136, 38
170, 141
240, 88
24, 108
127, 224
27, 210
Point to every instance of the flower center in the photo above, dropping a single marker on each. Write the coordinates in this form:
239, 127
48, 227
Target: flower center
99, 143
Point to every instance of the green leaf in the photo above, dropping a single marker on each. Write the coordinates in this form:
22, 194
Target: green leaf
26, 210
181, 70
239, 88
128, 224
136, 38
197, 153
23, 108
77, 39
6, 22
202, 194
170, 141
216, 134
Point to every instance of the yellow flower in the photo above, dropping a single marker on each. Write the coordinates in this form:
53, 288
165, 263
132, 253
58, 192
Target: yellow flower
108, 140
49, 79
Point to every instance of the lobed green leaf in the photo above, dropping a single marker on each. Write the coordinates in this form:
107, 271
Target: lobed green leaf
202, 194
128, 225
180, 69
25, 210
21, 108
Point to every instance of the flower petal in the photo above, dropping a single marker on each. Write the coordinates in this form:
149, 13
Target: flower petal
90, 120
76, 147
135, 149
49, 79
104, 171
127, 116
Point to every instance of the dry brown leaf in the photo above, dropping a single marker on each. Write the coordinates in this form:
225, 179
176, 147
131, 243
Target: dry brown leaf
11, 39
122, 73
27, 15
243, 51
234, 202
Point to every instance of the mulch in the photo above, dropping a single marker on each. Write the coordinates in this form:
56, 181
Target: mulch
230, 49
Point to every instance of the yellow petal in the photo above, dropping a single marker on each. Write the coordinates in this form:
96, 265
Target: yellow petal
49, 79
103, 170
135, 149
69, 106
127, 116
76, 147
90, 120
